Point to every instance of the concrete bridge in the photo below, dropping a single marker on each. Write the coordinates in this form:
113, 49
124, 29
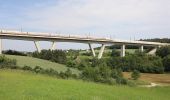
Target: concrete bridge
36, 37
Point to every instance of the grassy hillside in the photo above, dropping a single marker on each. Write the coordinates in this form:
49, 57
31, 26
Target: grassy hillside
20, 85
30, 61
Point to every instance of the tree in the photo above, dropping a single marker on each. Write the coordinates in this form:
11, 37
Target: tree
135, 74
58, 56
117, 73
166, 63
115, 53
83, 64
68, 73
71, 63
98, 62
163, 51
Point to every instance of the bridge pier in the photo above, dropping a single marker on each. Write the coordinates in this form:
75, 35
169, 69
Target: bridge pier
53, 46
153, 51
92, 50
37, 46
141, 48
0, 46
101, 51
122, 53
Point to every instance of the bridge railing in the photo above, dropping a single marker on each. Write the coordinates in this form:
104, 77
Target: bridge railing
50, 35
68, 36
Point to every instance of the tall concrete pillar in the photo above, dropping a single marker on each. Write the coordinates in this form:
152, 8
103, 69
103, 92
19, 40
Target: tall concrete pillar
122, 53
101, 51
141, 48
0, 46
92, 50
53, 46
153, 51
37, 46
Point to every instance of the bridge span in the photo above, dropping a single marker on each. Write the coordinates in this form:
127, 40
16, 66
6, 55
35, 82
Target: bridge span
36, 37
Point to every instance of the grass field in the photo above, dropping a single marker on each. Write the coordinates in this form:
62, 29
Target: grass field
32, 62
20, 85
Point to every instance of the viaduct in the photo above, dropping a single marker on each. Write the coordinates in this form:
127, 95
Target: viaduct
36, 37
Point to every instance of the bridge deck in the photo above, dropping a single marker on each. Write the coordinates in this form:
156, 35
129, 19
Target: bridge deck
4, 34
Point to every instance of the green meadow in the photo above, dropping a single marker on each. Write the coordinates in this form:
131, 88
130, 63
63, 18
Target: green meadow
23, 85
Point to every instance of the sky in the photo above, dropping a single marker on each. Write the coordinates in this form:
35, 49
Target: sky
121, 19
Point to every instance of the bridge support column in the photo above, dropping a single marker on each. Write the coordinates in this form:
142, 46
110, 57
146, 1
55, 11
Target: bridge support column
92, 50
53, 46
101, 51
122, 53
141, 48
152, 51
37, 46
0, 46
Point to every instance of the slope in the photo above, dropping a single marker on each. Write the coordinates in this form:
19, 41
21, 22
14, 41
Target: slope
32, 62
21, 85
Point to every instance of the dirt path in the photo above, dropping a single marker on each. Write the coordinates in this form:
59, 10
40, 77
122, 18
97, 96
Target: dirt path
154, 79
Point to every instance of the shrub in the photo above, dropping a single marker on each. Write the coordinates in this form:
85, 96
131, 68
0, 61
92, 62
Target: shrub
13, 52
6, 62
50, 71
62, 75
68, 73
116, 73
83, 64
97, 74
143, 63
121, 80
166, 63
115, 53
27, 68
71, 63
135, 74
163, 51
57, 56
73, 54
98, 62
37, 69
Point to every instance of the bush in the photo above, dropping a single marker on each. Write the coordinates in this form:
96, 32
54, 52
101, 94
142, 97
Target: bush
73, 54
135, 74
37, 69
62, 75
83, 64
118, 76
163, 51
98, 74
13, 52
6, 62
57, 56
121, 80
71, 63
143, 63
98, 62
117, 73
166, 63
27, 68
68, 73
115, 53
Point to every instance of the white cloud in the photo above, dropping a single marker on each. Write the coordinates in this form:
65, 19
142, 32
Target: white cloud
100, 16
119, 18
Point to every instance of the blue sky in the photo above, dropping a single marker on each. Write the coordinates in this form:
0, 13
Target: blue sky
123, 19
